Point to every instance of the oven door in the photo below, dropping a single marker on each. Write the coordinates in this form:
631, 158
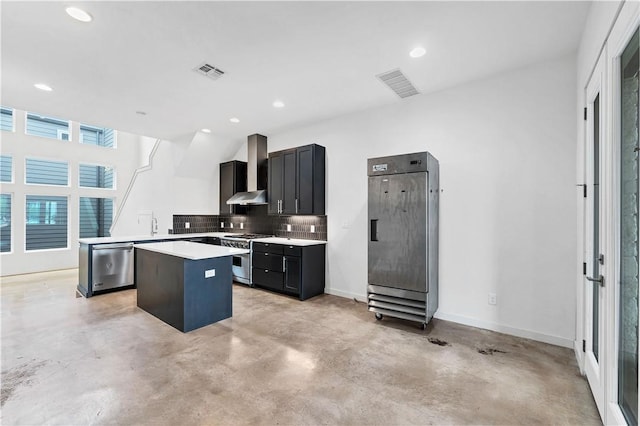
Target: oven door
241, 268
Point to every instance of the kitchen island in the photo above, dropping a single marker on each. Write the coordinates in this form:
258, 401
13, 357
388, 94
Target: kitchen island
185, 284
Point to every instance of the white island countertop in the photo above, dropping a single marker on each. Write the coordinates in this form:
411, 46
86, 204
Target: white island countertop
192, 251
289, 241
135, 238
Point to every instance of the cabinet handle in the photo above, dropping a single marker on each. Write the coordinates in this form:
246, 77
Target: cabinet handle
296, 206
374, 229
230, 208
284, 264
281, 206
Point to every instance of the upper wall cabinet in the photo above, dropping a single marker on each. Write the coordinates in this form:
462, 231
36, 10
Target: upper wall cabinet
233, 178
297, 181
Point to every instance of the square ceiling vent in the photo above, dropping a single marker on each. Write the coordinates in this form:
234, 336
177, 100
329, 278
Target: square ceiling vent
209, 70
398, 82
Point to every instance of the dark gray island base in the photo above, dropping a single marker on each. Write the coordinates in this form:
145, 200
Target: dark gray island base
186, 293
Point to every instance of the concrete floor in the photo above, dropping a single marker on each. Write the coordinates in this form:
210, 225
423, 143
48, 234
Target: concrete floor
68, 360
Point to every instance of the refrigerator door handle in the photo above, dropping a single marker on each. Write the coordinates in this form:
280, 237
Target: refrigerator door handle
374, 229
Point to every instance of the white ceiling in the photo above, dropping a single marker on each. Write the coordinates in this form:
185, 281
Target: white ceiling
319, 58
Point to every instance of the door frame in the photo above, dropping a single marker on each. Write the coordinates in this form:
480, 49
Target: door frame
627, 23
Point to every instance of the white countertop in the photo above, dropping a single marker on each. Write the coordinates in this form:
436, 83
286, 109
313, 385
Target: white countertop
135, 238
289, 241
138, 238
189, 250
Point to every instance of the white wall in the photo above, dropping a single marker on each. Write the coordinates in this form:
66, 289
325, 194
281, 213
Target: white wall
125, 158
506, 147
184, 179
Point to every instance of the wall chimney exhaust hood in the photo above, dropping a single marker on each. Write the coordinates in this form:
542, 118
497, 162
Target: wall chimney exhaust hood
257, 163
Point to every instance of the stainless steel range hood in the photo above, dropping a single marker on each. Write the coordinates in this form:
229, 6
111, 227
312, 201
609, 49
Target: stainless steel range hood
256, 173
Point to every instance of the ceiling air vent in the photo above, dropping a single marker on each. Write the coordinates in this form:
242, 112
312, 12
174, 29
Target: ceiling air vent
397, 82
209, 71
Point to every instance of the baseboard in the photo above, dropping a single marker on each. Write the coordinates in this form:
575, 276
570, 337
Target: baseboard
358, 296
577, 349
518, 332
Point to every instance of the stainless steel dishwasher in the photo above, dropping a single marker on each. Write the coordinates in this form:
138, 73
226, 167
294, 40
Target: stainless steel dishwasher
112, 266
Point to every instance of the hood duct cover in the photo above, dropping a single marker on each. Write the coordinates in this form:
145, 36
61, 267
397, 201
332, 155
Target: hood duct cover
253, 197
257, 163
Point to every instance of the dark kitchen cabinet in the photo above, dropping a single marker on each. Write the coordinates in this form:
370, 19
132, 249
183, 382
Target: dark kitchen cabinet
233, 178
289, 269
297, 181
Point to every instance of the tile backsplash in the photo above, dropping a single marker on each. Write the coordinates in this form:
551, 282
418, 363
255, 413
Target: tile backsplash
257, 222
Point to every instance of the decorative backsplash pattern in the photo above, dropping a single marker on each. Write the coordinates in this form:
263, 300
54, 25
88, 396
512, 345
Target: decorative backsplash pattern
197, 223
258, 223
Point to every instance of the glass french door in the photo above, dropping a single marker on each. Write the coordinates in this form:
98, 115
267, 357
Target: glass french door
595, 236
629, 207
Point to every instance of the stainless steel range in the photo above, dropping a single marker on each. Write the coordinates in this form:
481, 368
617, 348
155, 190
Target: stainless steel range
241, 268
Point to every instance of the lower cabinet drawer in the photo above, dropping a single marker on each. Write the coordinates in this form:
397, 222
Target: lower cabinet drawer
270, 261
268, 278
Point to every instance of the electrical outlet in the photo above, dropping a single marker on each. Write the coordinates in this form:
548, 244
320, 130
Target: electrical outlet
493, 300
288, 228
187, 225
231, 225
241, 225
313, 229
210, 273
221, 224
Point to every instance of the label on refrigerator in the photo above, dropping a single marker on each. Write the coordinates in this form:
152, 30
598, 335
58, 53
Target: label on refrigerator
379, 167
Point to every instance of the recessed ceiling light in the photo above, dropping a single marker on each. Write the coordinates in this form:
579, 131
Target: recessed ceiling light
234, 120
79, 14
206, 130
278, 104
417, 52
42, 86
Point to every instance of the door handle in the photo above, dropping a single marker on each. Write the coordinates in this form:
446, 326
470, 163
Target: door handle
374, 229
600, 280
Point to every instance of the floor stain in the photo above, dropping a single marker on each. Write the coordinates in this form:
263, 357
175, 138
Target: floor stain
438, 342
16, 377
490, 351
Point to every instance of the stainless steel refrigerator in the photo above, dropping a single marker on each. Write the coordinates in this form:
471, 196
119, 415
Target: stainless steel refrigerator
403, 236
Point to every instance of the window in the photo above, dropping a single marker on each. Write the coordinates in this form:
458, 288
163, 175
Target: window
48, 127
46, 222
96, 215
6, 168
5, 223
92, 176
45, 172
6, 119
99, 136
